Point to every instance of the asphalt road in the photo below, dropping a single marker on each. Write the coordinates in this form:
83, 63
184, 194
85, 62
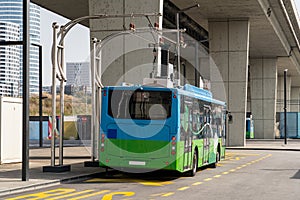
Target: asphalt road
242, 175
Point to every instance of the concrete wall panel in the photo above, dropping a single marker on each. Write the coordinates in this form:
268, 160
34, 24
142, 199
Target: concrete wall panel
238, 71
238, 35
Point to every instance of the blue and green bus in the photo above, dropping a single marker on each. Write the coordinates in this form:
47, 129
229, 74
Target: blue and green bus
146, 128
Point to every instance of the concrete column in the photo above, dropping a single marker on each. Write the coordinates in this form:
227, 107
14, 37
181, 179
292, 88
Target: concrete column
280, 93
229, 49
263, 84
295, 99
120, 65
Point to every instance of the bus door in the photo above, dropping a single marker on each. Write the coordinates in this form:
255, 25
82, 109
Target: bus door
206, 135
186, 134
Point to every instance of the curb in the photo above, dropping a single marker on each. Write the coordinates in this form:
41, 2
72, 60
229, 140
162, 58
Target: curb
260, 149
36, 186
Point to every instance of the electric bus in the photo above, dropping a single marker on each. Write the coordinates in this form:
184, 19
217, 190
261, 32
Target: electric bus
145, 128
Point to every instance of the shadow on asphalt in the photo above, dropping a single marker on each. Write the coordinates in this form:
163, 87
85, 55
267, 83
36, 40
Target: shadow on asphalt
296, 176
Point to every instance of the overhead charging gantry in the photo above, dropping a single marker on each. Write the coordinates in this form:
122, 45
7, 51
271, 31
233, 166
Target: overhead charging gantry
58, 73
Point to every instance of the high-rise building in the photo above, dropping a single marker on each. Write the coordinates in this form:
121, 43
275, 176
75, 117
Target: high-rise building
12, 11
9, 60
78, 73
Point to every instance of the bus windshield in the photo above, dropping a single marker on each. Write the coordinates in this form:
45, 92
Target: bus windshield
140, 104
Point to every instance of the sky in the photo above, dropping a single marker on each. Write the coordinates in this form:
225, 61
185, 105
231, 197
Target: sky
76, 42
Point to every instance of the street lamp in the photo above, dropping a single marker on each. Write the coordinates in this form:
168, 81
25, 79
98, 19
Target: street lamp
178, 37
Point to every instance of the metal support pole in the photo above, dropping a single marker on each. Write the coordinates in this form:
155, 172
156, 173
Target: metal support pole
41, 95
94, 121
197, 70
285, 108
178, 47
99, 95
25, 143
178, 36
62, 109
54, 57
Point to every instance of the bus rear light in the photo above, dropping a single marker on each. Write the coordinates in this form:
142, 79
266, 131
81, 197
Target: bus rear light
173, 148
173, 138
107, 160
173, 143
167, 163
102, 135
104, 92
102, 149
173, 152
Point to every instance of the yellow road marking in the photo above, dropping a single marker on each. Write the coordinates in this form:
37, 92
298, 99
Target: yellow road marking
117, 180
244, 154
208, 179
46, 194
217, 176
197, 183
232, 170
90, 195
73, 194
183, 188
109, 180
154, 183
110, 195
225, 173
168, 194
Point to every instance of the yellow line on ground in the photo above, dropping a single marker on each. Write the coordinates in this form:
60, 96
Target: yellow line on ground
183, 188
208, 179
217, 176
168, 194
70, 195
225, 173
232, 170
197, 183
90, 195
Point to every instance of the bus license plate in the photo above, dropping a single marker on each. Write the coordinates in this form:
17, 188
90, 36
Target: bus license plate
141, 163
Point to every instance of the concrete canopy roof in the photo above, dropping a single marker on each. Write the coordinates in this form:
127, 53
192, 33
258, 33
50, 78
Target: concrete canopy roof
270, 30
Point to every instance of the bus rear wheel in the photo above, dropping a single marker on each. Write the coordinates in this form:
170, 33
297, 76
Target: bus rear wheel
214, 165
193, 171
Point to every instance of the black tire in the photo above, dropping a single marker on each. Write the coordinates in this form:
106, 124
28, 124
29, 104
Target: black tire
214, 165
193, 171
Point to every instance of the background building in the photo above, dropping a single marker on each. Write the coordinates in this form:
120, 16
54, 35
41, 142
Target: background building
78, 75
11, 11
9, 60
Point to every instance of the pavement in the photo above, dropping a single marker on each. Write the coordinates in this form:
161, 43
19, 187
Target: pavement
11, 173
76, 156
267, 144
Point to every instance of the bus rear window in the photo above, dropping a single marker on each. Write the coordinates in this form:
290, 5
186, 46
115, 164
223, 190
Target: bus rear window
140, 104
